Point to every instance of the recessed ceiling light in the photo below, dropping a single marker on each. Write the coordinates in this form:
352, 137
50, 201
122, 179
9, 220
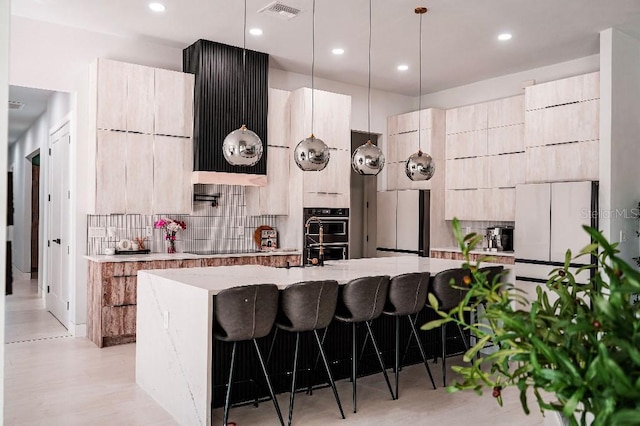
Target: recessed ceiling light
337, 51
157, 7
403, 67
504, 37
255, 31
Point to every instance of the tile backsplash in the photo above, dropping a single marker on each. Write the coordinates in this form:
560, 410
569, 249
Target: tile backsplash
223, 228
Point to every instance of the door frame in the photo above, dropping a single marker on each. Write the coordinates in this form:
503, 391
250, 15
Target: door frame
39, 233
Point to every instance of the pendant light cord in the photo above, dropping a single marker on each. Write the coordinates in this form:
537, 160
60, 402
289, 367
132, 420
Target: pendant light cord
369, 93
420, 92
313, 62
244, 67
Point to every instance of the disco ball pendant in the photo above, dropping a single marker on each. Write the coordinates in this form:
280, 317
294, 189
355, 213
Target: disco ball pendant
420, 166
367, 159
242, 147
311, 154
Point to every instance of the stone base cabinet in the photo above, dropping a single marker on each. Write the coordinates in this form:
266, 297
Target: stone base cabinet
111, 291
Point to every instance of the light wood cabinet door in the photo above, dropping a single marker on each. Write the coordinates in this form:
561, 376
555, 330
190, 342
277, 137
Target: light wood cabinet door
174, 103
172, 165
407, 144
466, 119
387, 202
408, 220
506, 171
272, 199
140, 99
503, 140
392, 125
466, 173
468, 144
500, 205
332, 121
570, 210
566, 123
407, 122
111, 172
331, 185
112, 95
566, 162
139, 166
464, 204
561, 92
505, 112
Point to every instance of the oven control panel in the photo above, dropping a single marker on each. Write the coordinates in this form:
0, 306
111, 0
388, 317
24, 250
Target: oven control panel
326, 212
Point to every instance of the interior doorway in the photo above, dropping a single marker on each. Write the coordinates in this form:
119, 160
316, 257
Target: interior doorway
362, 220
35, 213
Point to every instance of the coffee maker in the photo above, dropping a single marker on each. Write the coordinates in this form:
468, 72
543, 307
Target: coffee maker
499, 238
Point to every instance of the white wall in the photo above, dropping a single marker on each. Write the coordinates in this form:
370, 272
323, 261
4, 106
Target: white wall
4, 133
619, 145
507, 85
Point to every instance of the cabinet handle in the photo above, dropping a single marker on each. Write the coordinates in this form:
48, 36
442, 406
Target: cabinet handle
57, 241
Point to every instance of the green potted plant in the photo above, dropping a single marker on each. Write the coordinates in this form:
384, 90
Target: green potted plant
579, 353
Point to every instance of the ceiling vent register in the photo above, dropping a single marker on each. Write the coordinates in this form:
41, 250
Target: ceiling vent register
15, 105
280, 10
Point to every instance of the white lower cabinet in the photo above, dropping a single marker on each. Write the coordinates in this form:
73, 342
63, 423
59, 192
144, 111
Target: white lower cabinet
272, 199
408, 220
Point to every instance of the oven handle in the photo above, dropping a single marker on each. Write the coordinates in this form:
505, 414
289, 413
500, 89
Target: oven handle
332, 218
345, 245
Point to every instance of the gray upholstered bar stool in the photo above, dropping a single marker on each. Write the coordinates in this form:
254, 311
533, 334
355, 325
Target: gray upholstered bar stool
242, 314
448, 297
407, 297
308, 306
362, 301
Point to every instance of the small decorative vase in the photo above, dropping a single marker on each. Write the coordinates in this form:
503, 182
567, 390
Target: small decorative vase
172, 246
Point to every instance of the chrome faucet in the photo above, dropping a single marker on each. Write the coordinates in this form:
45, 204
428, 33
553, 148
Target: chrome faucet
320, 238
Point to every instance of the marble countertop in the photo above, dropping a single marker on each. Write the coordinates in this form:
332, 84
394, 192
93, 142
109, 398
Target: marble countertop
219, 278
488, 253
102, 258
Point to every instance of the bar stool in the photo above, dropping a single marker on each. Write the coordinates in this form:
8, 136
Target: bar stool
407, 297
242, 314
362, 301
308, 306
448, 297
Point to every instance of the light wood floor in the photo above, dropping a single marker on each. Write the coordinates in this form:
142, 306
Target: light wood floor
54, 379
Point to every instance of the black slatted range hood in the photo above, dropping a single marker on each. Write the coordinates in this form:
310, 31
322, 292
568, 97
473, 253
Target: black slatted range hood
218, 108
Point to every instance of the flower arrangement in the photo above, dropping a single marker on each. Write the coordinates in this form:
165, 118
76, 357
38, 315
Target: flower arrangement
579, 343
171, 228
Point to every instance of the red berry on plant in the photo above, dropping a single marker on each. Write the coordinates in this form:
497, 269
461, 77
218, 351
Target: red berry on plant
466, 280
597, 325
562, 273
496, 391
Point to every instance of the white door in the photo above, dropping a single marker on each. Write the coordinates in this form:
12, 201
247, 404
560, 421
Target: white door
533, 221
58, 285
570, 209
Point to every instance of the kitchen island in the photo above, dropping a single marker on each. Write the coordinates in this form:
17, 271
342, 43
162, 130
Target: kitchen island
174, 349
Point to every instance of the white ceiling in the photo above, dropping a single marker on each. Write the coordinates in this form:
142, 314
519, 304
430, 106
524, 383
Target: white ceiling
35, 103
459, 36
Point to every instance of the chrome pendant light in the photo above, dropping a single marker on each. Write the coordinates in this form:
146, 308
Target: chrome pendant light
368, 159
312, 154
242, 147
420, 166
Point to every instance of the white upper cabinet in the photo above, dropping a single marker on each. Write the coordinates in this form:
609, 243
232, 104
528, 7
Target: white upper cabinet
141, 120
173, 103
561, 92
566, 162
112, 83
273, 199
111, 172
140, 172
172, 165
504, 140
466, 119
330, 187
505, 112
565, 123
468, 144
141, 99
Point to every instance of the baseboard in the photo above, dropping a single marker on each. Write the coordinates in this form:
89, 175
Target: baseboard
78, 330
19, 275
